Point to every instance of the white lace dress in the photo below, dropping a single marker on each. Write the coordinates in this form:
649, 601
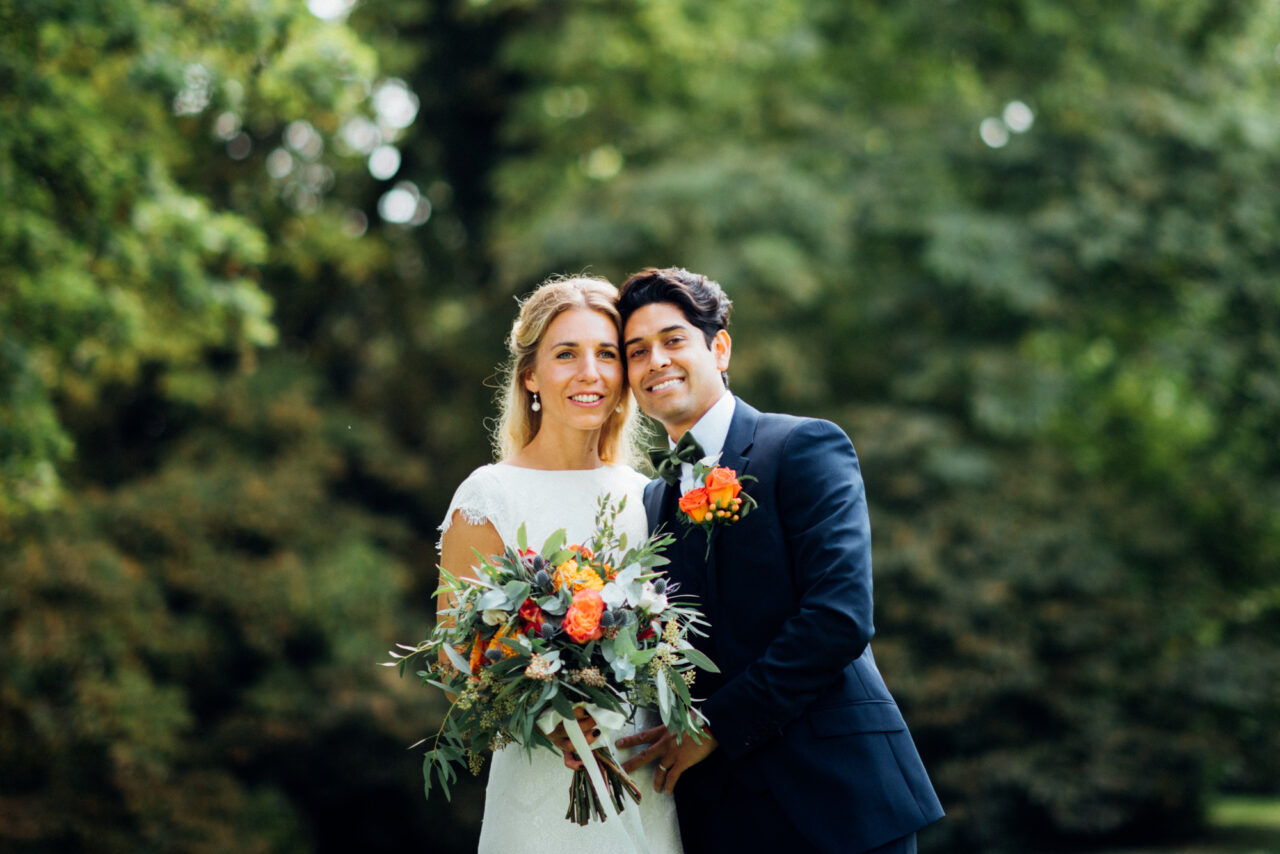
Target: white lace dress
526, 798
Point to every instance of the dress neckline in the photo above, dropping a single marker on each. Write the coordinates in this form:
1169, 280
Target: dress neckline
601, 467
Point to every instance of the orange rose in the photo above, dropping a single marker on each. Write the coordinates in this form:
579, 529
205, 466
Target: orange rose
696, 504
477, 659
501, 643
582, 620
722, 487
583, 550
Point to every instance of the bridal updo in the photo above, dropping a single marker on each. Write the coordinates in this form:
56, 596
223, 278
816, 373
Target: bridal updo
517, 422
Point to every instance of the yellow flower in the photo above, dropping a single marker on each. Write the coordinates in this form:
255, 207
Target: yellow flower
576, 577
499, 642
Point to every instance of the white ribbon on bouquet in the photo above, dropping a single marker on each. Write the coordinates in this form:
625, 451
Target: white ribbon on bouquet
608, 722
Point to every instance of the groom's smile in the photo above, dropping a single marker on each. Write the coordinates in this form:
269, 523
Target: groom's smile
663, 385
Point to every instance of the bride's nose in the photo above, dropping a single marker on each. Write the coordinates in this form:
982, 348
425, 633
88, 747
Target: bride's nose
589, 367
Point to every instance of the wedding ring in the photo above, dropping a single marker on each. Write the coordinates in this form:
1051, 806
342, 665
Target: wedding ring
664, 767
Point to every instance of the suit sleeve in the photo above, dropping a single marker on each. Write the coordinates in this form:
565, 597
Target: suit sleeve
823, 510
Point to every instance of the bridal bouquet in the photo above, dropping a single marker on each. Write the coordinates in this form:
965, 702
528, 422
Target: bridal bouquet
537, 634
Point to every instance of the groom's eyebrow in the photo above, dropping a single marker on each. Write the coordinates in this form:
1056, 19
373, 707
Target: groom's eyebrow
678, 327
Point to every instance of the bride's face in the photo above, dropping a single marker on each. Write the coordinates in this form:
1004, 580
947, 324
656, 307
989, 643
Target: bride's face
578, 370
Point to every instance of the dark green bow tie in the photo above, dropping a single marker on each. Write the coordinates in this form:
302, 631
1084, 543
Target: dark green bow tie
667, 462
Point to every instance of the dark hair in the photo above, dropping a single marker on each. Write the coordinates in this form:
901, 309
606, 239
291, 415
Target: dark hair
701, 300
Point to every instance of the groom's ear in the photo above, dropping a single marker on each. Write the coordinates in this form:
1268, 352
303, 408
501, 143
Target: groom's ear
722, 348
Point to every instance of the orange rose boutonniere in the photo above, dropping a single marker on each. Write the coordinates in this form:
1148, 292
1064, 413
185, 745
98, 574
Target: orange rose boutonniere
719, 501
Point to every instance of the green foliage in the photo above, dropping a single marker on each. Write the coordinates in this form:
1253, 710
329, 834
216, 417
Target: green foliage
166, 642
109, 263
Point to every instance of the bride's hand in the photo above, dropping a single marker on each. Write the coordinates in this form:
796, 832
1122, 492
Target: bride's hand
561, 739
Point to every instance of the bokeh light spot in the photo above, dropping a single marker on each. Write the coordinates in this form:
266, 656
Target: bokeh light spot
360, 135
303, 138
239, 146
329, 10
279, 163
994, 133
1018, 117
197, 83
384, 162
603, 162
355, 224
226, 126
395, 104
399, 205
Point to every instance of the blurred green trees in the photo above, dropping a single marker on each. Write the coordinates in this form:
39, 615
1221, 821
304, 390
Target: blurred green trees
1022, 253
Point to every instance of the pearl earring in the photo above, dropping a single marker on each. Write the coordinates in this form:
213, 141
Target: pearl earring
618, 409
536, 405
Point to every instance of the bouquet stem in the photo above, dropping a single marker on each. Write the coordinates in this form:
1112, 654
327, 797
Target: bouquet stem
584, 800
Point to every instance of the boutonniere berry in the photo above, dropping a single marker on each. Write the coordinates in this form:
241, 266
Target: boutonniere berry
719, 501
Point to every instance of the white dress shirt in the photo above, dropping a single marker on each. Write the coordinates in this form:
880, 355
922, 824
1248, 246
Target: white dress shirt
711, 431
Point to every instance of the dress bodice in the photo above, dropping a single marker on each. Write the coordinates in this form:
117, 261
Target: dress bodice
545, 501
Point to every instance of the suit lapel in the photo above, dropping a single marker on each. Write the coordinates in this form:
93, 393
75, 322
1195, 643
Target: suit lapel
656, 495
737, 446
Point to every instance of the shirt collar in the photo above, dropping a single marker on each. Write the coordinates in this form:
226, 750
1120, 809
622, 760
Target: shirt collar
712, 428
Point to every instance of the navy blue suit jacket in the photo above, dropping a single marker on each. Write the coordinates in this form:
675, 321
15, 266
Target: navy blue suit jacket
799, 708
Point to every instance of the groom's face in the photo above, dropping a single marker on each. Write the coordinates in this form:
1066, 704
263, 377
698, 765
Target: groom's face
674, 374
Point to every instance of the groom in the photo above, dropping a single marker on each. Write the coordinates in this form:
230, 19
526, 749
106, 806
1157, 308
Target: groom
807, 749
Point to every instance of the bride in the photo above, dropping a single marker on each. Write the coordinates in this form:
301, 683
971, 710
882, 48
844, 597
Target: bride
563, 440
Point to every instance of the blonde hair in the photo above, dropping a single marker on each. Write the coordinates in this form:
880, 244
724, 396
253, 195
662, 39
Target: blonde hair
517, 422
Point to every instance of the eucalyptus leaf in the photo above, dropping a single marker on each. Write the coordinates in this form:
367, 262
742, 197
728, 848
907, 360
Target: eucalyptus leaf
562, 704
664, 699
554, 543
456, 659
558, 557
697, 659
494, 599
516, 592
678, 684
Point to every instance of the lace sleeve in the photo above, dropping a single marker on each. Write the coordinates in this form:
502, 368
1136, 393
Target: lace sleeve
478, 499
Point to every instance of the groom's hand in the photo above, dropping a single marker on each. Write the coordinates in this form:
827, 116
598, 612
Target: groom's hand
674, 758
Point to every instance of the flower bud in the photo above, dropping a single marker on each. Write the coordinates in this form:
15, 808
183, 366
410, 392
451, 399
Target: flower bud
659, 585
608, 619
541, 578
492, 654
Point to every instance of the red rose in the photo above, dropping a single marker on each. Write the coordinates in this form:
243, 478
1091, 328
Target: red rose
531, 614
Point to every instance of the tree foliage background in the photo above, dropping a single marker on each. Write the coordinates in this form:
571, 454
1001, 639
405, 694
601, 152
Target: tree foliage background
1023, 252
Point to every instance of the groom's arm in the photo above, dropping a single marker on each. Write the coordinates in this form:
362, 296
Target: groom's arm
823, 511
